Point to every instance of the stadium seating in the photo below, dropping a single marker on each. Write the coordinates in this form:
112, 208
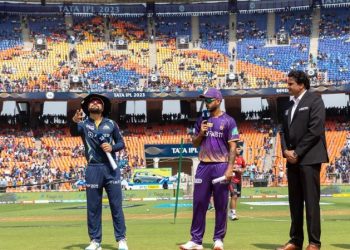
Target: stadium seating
334, 44
171, 27
53, 27
253, 49
10, 35
214, 32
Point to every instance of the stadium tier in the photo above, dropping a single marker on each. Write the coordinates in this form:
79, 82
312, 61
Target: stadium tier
113, 53
334, 44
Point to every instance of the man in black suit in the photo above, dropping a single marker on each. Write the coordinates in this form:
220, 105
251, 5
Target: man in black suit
304, 145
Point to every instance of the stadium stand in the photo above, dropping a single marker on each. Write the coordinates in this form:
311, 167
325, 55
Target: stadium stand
52, 155
259, 62
334, 44
10, 32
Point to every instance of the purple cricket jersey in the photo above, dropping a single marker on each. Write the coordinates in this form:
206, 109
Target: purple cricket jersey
214, 146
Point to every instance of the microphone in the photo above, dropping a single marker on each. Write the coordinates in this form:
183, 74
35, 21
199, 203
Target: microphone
101, 140
220, 179
205, 115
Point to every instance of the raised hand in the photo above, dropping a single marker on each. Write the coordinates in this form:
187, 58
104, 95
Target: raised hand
78, 116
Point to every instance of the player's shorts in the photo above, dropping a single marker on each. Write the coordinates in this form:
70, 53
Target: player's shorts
235, 189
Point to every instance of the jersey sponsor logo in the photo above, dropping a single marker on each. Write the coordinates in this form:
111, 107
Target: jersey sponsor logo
106, 127
215, 134
235, 131
106, 135
89, 126
198, 181
91, 185
115, 182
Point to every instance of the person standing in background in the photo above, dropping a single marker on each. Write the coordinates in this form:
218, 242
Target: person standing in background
236, 181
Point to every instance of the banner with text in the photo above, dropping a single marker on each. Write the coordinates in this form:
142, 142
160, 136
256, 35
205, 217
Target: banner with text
170, 150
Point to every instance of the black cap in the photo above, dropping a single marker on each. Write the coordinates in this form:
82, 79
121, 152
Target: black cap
106, 104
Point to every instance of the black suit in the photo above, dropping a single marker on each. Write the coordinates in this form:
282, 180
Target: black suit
305, 134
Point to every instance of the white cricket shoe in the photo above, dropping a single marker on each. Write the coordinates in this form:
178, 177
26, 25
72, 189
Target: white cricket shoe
122, 245
233, 217
94, 246
218, 245
191, 246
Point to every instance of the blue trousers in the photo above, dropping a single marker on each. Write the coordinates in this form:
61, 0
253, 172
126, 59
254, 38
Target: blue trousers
99, 176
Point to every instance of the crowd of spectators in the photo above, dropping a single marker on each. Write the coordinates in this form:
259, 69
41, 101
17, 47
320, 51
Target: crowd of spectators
339, 170
118, 74
26, 160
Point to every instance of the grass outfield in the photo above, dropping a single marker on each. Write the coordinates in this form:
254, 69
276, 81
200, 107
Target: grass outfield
63, 226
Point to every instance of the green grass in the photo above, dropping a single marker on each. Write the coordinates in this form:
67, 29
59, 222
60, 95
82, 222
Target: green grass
129, 194
53, 226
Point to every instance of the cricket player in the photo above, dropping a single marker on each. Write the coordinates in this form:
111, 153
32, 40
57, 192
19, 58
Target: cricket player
99, 172
217, 138
236, 181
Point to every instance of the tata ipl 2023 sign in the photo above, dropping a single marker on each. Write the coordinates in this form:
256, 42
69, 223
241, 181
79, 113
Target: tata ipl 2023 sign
170, 150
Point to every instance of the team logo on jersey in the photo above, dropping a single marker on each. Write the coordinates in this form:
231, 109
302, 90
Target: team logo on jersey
90, 134
222, 126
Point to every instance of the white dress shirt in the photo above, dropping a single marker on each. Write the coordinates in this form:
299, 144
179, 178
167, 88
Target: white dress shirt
296, 102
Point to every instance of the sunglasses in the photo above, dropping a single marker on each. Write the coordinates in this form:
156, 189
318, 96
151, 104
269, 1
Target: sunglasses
209, 100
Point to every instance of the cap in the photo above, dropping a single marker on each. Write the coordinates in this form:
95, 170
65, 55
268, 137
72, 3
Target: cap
106, 103
212, 93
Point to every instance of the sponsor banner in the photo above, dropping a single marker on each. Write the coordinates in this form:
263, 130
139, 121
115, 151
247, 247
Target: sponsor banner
263, 92
99, 9
136, 9
170, 150
150, 178
335, 1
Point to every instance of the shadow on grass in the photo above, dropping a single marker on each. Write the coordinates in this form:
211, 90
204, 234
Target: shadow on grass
266, 246
342, 246
82, 246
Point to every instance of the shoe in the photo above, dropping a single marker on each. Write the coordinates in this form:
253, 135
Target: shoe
313, 246
122, 245
218, 245
289, 246
191, 246
94, 246
233, 217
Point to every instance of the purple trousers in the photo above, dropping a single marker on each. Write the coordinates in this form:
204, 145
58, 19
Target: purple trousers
203, 189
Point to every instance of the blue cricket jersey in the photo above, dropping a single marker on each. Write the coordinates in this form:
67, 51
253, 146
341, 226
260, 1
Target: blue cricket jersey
89, 134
